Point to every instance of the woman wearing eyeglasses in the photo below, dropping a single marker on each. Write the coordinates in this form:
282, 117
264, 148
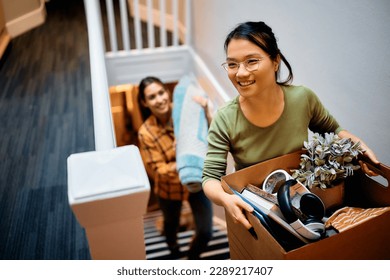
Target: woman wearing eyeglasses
269, 118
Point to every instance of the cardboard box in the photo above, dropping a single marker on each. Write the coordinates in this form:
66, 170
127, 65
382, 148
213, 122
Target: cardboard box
119, 116
369, 240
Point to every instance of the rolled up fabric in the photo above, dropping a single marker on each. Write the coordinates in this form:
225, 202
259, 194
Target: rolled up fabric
348, 217
190, 129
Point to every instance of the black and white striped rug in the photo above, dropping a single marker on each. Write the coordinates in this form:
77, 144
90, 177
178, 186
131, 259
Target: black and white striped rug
156, 248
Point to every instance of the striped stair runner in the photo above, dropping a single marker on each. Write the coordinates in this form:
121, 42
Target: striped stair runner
156, 248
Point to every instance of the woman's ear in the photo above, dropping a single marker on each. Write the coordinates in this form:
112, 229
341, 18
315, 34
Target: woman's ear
277, 63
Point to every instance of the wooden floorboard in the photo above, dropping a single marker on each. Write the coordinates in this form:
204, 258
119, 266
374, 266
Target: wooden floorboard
45, 115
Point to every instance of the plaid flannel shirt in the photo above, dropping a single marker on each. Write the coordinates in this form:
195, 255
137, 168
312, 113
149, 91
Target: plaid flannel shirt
157, 145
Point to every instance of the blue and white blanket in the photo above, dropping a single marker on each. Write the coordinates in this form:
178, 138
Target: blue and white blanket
190, 128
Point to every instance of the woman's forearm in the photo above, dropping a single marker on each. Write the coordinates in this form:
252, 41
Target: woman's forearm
214, 191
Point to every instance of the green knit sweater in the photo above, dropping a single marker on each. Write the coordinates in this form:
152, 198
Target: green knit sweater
231, 132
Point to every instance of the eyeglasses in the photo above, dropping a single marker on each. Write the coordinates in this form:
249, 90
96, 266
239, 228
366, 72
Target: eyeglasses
251, 64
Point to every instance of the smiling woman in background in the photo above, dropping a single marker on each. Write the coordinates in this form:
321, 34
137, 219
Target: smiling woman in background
157, 144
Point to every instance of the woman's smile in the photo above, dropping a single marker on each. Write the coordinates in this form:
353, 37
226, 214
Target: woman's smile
245, 83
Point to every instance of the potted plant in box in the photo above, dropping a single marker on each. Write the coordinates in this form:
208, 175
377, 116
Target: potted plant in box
328, 160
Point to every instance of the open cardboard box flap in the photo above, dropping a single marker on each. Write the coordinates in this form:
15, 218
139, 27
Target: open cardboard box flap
369, 240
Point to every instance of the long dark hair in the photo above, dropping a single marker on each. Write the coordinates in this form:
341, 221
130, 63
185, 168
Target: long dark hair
262, 36
141, 94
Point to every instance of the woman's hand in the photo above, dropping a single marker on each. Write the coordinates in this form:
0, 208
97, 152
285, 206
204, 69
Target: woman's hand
235, 206
367, 152
204, 103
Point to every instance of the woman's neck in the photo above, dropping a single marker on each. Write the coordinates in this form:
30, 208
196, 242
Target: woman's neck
267, 98
164, 119
265, 108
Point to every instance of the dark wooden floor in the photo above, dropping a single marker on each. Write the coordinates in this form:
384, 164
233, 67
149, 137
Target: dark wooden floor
45, 115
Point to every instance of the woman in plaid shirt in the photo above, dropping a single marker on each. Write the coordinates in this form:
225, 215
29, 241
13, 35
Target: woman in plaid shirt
157, 144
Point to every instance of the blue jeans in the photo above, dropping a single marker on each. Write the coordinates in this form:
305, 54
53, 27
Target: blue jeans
202, 212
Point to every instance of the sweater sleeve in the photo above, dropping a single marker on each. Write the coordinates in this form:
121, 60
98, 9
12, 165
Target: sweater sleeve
218, 147
321, 120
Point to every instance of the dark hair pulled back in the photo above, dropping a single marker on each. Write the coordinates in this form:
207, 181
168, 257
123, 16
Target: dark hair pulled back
261, 35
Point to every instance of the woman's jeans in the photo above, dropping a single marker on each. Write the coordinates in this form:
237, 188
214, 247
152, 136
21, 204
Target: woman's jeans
202, 212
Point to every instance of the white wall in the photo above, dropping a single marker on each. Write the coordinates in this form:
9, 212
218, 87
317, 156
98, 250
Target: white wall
340, 49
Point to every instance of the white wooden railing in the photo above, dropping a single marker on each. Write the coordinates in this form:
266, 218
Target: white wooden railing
102, 117
128, 62
154, 13
119, 63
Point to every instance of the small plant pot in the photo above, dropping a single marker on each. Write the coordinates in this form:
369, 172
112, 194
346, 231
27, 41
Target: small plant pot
332, 197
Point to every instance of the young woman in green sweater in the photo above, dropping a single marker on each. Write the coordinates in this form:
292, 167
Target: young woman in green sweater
268, 118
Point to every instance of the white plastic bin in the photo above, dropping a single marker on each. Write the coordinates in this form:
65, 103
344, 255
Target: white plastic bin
108, 192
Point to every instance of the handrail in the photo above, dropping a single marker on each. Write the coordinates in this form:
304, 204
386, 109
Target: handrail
103, 123
124, 24
111, 26
102, 118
